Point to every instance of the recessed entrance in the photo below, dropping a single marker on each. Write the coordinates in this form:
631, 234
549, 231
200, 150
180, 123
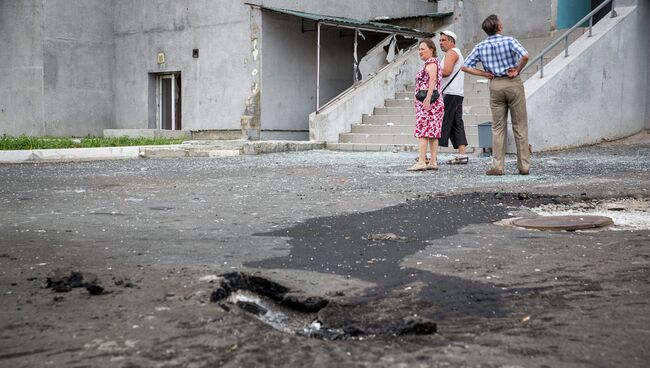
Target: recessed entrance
168, 101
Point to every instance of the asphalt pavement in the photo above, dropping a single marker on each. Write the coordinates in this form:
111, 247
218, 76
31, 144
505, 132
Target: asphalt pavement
382, 245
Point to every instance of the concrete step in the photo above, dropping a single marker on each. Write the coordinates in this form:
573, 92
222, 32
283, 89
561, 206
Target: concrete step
398, 103
476, 101
363, 147
394, 138
366, 147
391, 128
474, 119
362, 138
404, 95
394, 110
384, 119
476, 110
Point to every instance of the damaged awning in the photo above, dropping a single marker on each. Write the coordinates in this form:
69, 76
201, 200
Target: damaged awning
429, 15
351, 23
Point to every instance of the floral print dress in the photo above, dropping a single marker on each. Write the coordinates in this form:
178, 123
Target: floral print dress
428, 123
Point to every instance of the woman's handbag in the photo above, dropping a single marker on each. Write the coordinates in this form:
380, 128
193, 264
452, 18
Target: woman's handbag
422, 94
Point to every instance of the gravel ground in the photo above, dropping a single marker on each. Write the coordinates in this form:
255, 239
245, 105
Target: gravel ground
156, 233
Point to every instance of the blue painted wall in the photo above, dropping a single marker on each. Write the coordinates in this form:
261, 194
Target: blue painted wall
569, 12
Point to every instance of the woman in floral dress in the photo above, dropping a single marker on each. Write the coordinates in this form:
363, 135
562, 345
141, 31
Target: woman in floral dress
428, 117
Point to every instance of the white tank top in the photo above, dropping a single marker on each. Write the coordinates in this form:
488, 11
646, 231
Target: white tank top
457, 86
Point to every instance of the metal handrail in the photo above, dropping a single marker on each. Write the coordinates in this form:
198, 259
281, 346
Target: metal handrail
589, 17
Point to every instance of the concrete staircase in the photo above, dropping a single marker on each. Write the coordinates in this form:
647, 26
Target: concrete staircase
390, 127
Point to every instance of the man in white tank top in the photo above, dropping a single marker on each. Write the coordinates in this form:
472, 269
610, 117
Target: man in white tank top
453, 80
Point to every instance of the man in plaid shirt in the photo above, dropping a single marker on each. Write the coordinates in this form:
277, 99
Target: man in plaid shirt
503, 58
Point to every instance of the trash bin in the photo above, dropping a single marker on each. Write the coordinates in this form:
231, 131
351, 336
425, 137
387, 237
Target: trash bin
485, 135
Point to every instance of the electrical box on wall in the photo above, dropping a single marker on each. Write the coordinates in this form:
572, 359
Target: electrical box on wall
195, 53
161, 58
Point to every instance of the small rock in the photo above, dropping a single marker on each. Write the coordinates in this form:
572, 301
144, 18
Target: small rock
94, 289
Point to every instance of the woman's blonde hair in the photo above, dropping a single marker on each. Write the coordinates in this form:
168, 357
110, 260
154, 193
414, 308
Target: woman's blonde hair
430, 44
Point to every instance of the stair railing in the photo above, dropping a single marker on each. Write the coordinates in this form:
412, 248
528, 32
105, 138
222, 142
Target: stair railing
565, 37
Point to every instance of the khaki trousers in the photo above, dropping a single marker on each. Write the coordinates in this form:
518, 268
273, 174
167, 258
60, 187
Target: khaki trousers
507, 94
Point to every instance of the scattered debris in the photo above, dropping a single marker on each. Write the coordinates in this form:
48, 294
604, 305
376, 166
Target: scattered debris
385, 237
63, 280
124, 283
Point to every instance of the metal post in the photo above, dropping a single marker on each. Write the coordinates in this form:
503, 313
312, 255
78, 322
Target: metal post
318, 68
613, 10
356, 64
566, 46
541, 68
591, 24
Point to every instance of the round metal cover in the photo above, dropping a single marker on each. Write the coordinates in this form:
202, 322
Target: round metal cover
564, 222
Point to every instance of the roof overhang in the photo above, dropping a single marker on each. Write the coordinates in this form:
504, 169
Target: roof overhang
429, 15
341, 22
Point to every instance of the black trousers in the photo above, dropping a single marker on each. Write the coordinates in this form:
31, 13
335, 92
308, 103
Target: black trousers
453, 126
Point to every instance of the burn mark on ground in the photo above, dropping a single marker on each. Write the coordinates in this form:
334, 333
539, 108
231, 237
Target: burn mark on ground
339, 245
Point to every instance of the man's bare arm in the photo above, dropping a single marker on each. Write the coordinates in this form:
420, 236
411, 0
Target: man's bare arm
480, 73
450, 60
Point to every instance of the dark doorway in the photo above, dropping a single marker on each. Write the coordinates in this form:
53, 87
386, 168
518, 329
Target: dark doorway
169, 100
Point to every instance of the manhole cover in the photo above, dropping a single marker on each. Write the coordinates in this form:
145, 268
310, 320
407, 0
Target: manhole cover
564, 222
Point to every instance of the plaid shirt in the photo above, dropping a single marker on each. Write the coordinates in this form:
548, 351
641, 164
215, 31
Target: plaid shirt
497, 53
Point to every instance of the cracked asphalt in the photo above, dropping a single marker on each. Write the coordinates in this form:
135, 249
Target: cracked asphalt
501, 296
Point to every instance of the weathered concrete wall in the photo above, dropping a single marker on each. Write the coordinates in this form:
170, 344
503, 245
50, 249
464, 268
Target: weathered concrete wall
359, 9
78, 57
521, 18
288, 74
591, 95
21, 65
215, 86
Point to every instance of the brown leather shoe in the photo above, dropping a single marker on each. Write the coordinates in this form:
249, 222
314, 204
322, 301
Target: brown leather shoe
524, 172
494, 172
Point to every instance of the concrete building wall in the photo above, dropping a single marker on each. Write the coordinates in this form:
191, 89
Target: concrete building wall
521, 18
21, 65
78, 63
288, 74
590, 95
215, 85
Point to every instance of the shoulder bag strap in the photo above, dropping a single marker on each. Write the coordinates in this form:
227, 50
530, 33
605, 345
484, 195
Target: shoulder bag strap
452, 79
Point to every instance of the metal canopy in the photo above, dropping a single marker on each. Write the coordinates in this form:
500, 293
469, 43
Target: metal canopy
429, 15
351, 23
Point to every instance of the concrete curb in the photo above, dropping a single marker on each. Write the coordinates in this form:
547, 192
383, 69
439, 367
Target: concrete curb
194, 149
69, 154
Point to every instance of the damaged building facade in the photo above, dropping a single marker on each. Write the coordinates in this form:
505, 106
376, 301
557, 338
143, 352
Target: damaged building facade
221, 69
